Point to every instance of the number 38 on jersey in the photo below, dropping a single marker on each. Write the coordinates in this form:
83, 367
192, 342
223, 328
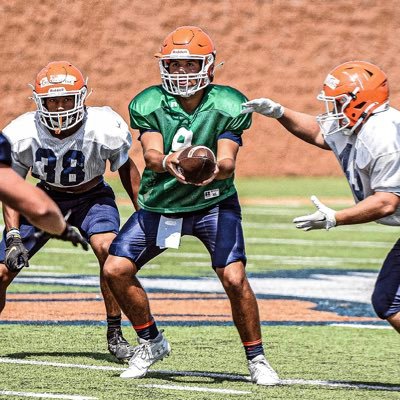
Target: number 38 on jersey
69, 170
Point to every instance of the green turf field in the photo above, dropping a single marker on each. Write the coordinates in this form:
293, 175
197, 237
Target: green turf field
207, 361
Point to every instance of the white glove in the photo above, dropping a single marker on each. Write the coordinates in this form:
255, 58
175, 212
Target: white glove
263, 106
324, 218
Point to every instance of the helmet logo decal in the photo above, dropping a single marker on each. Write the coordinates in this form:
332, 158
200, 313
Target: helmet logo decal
57, 90
185, 52
331, 81
57, 79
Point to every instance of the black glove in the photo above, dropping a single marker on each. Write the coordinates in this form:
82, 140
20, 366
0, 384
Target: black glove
73, 236
16, 253
69, 235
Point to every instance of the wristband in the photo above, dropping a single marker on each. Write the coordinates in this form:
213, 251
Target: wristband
164, 162
13, 232
280, 112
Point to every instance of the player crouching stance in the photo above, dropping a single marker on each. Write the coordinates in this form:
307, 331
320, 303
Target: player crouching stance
66, 145
186, 110
363, 131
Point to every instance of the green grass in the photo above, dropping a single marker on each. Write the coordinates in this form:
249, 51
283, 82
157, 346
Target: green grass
307, 353
297, 352
293, 187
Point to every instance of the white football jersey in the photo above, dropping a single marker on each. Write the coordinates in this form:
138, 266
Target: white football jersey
76, 159
371, 158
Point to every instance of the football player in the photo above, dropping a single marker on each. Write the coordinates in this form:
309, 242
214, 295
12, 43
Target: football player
363, 131
33, 203
186, 109
66, 145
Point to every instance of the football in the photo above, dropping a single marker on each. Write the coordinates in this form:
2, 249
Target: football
196, 163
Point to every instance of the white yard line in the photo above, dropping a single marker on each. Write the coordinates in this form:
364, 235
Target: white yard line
283, 259
371, 227
6, 360
274, 211
231, 377
340, 384
362, 326
45, 395
48, 267
321, 243
89, 280
311, 242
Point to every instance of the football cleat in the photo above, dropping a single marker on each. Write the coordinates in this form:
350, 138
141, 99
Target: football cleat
261, 372
146, 354
119, 347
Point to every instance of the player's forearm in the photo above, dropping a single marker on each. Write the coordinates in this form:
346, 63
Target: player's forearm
226, 168
20, 197
11, 217
49, 221
372, 208
42, 212
154, 160
303, 126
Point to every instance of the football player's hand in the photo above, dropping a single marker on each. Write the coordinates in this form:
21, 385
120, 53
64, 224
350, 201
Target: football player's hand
69, 235
211, 178
16, 253
323, 218
73, 236
263, 106
171, 164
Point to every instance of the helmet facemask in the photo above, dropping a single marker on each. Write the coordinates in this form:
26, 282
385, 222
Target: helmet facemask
334, 119
182, 84
61, 120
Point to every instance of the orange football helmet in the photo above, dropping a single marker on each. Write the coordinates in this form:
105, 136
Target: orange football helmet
352, 92
60, 78
187, 43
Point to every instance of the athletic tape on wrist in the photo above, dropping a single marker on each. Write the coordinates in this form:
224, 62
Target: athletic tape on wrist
164, 163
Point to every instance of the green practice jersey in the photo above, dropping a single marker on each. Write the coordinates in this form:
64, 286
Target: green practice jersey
156, 110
